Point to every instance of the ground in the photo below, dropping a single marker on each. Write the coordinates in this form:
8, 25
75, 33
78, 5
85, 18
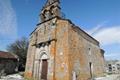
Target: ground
110, 77
19, 77
12, 77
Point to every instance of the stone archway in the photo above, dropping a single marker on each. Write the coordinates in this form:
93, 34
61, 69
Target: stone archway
41, 66
44, 65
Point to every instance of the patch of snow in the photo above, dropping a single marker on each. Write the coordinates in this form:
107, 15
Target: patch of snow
12, 77
109, 77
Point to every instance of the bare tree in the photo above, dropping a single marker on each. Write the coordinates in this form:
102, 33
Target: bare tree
19, 48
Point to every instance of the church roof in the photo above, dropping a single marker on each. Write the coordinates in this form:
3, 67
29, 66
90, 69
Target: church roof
76, 27
7, 55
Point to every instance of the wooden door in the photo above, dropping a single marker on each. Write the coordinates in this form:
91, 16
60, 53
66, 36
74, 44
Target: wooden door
44, 69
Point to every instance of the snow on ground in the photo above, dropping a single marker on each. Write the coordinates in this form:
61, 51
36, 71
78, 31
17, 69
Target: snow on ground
110, 77
19, 77
12, 77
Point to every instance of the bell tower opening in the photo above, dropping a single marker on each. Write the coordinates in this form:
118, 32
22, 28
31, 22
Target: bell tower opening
50, 10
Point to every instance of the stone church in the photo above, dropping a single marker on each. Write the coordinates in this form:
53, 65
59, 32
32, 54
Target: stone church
60, 50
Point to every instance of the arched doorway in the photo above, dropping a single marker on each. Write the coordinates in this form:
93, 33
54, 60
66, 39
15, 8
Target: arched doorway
41, 66
44, 66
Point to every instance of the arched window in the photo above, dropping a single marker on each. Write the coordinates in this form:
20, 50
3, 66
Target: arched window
89, 51
47, 15
52, 11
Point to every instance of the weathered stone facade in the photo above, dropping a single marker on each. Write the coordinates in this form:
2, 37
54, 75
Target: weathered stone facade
59, 50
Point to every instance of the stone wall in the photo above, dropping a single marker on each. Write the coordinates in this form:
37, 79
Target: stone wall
30, 60
69, 49
62, 48
83, 51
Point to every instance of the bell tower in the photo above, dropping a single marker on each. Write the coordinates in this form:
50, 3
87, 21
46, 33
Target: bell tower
50, 10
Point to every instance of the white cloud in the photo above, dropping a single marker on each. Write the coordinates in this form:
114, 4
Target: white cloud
8, 23
97, 28
113, 56
108, 36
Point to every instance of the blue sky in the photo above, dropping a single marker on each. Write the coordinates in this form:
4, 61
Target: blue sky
100, 18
